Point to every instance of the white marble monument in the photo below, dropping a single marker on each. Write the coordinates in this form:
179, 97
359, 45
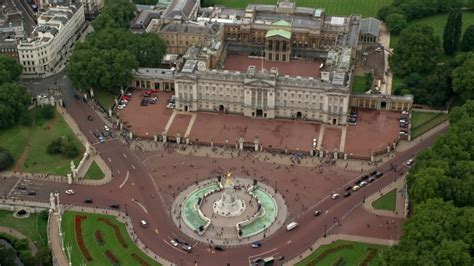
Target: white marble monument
229, 205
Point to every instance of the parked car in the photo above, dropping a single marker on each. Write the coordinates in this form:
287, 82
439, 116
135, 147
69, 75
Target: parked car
347, 194
363, 183
106, 128
101, 140
90, 118
22, 187
371, 179
186, 247
348, 188
404, 112
334, 196
219, 248
143, 223
317, 212
144, 102
409, 162
378, 174
89, 201
96, 133
115, 206
69, 192
355, 188
256, 244
31, 193
174, 243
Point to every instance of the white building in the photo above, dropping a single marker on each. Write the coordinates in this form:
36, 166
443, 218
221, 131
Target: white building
47, 49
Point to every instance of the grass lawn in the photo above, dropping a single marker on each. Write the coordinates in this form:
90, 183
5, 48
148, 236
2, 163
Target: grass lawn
437, 22
423, 121
89, 227
350, 256
105, 98
94, 172
386, 202
37, 160
34, 227
366, 8
360, 84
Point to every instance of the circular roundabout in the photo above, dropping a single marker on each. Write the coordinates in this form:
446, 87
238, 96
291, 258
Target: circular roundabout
228, 210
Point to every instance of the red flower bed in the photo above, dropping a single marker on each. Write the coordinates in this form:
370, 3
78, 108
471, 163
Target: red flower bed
118, 233
80, 241
316, 260
112, 257
99, 238
140, 260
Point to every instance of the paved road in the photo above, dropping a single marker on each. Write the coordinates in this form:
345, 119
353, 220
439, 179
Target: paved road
133, 197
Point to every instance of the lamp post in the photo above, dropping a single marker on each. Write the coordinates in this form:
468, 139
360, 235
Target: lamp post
363, 200
325, 230
126, 212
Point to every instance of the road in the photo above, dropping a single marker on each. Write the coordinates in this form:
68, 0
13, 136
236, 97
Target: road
132, 194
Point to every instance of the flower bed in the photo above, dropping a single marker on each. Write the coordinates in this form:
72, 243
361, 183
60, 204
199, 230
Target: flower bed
329, 251
118, 233
140, 260
80, 240
99, 238
112, 258
370, 256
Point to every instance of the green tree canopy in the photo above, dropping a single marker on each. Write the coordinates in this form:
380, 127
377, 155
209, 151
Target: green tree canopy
115, 14
396, 22
452, 32
14, 101
417, 51
6, 159
101, 69
10, 70
467, 42
463, 80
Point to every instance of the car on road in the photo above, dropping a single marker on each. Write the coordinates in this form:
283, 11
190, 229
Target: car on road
90, 118
89, 201
101, 139
256, 244
174, 243
334, 196
96, 133
363, 183
143, 223
31, 193
115, 206
69, 192
291, 226
347, 194
317, 212
355, 188
186, 247
219, 248
106, 128
371, 179
378, 174
281, 258
22, 187
348, 188
409, 162
144, 102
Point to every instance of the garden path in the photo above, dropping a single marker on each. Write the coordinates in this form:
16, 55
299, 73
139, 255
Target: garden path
19, 235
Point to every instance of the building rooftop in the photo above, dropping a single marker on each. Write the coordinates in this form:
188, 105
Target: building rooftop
278, 32
370, 26
181, 8
208, 29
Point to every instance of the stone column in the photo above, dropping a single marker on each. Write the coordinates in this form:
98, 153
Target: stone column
92, 93
69, 179
186, 140
61, 102
311, 152
88, 148
163, 134
345, 156
178, 138
155, 138
321, 154
256, 143
335, 155
241, 143
130, 135
52, 202
122, 91
388, 148
212, 142
51, 101
73, 169
121, 125
110, 112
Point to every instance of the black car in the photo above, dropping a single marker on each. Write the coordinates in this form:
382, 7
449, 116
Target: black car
144, 102
96, 133
31, 193
90, 118
348, 188
373, 173
88, 201
365, 177
347, 194
22, 187
378, 174
219, 248
115, 206
371, 179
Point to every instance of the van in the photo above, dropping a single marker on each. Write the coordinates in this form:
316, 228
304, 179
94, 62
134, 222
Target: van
291, 226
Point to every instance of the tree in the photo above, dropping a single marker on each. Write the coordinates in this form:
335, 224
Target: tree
452, 32
101, 69
115, 14
14, 101
467, 42
416, 51
10, 70
396, 23
463, 80
6, 159
7, 255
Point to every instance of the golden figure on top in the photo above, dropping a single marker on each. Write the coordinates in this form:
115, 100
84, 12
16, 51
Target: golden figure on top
229, 180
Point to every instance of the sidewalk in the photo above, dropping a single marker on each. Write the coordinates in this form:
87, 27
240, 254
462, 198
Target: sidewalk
332, 238
59, 257
400, 205
19, 235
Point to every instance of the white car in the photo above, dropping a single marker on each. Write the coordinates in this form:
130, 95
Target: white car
334, 196
173, 242
69, 192
106, 128
409, 162
121, 106
363, 183
404, 112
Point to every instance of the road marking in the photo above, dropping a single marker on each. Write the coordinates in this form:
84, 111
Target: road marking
133, 166
157, 232
140, 205
124, 155
124, 181
258, 255
11, 190
108, 159
118, 171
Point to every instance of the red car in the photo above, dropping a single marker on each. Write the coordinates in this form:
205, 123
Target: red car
125, 97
